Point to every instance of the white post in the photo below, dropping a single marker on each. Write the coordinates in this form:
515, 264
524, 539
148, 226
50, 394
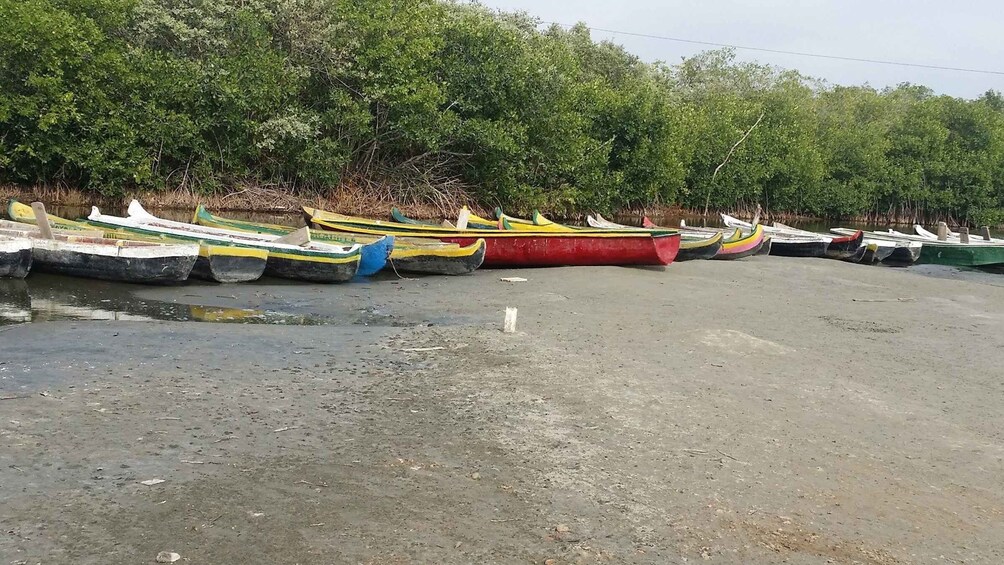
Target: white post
42, 220
509, 326
462, 218
942, 231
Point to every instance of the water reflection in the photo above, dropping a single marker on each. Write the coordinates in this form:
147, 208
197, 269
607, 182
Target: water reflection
54, 298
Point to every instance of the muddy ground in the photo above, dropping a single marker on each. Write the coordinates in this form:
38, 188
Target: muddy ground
762, 411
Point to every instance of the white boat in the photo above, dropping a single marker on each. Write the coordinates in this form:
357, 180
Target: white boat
108, 259
288, 256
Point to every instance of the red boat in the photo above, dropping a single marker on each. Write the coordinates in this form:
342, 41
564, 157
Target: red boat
528, 248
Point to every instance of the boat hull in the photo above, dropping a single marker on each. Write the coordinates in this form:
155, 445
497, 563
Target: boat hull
766, 246
858, 255
902, 256
743, 247
550, 251
159, 269
310, 269
15, 258
783, 248
845, 247
454, 261
228, 267
700, 249
962, 255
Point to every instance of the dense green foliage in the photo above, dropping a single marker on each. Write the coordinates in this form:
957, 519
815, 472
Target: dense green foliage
431, 97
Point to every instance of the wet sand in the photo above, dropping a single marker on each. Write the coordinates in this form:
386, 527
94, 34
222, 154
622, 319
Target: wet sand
763, 411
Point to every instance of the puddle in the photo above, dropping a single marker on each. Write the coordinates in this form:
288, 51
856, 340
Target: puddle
45, 298
48, 299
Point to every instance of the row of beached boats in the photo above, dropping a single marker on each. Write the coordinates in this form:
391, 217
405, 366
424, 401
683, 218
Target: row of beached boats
141, 247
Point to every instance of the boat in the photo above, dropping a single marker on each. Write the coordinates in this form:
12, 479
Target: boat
979, 254
109, 259
527, 248
408, 255
785, 244
844, 247
858, 255
538, 223
312, 262
473, 221
399, 217
735, 246
890, 253
217, 263
15, 256
691, 248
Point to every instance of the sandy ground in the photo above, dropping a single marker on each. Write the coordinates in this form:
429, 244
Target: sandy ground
763, 411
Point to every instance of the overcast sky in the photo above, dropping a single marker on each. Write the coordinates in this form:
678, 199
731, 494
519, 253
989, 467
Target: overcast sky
967, 34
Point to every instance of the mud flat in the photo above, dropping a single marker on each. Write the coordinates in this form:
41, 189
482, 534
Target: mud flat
762, 411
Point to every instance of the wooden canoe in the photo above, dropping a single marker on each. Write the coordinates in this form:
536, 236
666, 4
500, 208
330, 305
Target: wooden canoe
527, 248
312, 262
943, 252
539, 223
473, 221
110, 259
785, 244
736, 246
15, 257
216, 263
891, 253
690, 248
845, 247
408, 255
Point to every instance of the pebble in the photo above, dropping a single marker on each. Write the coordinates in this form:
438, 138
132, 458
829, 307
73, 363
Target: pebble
167, 557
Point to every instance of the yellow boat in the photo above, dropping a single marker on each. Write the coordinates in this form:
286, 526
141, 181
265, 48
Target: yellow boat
218, 263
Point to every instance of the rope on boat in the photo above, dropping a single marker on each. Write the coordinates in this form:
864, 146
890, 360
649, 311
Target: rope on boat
394, 267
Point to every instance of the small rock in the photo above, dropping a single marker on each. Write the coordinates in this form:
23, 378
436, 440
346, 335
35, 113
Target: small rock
550, 562
167, 557
476, 476
151, 482
562, 529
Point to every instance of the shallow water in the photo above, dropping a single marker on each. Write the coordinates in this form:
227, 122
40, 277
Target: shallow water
48, 298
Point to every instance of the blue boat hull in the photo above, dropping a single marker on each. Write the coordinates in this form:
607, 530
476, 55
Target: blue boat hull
374, 256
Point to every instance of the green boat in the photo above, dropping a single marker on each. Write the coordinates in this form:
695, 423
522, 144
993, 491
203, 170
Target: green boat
409, 255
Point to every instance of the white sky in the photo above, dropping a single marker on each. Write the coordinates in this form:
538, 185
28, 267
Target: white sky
967, 34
